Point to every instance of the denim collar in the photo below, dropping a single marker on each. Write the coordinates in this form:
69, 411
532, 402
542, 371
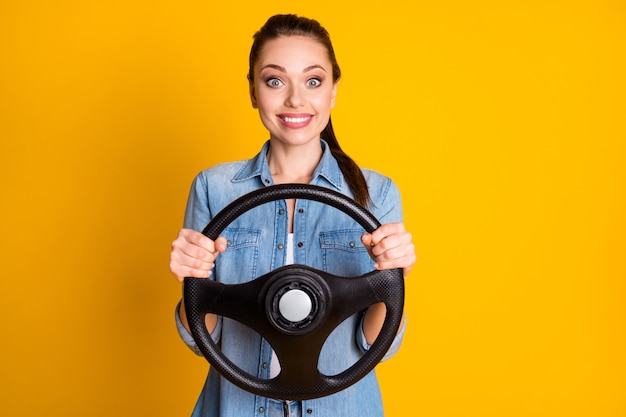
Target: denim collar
328, 168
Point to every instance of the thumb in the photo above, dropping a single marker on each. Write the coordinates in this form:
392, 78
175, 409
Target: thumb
366, 238
220, 244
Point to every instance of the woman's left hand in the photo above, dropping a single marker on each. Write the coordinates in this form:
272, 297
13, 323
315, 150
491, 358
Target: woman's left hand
391, 246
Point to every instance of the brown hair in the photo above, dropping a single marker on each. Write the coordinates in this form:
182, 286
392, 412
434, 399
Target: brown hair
293, 25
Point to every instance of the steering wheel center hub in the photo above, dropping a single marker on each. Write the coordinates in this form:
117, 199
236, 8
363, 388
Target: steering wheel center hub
296, 300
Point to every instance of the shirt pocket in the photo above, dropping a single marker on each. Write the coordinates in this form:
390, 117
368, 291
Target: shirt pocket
239, 263
344, 254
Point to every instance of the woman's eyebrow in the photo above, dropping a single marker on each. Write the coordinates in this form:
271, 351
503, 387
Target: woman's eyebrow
274, 66
282, 69
312, 67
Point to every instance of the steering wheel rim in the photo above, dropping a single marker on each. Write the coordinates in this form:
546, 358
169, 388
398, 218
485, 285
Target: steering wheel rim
204, 296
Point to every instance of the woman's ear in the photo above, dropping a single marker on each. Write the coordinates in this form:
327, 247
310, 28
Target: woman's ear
252, 93
334, 96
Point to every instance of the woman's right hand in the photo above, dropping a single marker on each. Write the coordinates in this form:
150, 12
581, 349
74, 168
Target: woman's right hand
193, 254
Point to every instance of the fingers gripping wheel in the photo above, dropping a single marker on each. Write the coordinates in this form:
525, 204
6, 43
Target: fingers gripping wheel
295, 308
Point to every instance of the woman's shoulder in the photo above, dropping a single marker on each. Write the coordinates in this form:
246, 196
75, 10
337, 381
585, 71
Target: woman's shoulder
223, 170
371, 174
381, 187
376, 179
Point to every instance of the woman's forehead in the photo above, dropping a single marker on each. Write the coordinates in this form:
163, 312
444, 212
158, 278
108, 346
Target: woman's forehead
295, 51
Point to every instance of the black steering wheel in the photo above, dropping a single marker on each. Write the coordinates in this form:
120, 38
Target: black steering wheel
295, 307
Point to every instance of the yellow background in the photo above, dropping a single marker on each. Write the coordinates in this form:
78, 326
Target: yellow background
503, 122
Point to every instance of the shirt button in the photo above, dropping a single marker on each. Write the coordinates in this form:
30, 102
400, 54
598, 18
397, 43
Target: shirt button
301, 211
309, 411
352, 244
261, 410
228, 243
264, 366
300, 244
281, 211
266, 180
280, 246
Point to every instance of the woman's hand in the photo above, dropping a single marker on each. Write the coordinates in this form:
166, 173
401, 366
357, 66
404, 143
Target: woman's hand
391, 246
193, 254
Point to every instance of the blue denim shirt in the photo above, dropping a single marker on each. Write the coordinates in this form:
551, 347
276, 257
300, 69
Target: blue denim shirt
326, 239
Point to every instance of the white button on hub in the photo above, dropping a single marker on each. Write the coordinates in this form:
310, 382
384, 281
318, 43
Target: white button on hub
295, 305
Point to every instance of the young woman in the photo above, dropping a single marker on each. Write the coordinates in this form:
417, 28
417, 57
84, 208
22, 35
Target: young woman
293, 80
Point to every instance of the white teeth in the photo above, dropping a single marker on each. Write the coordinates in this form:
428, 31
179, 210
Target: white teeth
296, 119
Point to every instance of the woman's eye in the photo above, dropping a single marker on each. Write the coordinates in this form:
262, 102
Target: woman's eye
314, 82
274, 82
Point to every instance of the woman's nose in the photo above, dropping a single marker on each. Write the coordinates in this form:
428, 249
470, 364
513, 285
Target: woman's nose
294, 98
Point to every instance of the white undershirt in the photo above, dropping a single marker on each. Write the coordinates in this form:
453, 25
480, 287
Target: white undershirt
274, 363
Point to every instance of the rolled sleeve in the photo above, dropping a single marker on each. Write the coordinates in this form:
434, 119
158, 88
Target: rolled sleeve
395, 345
188, 338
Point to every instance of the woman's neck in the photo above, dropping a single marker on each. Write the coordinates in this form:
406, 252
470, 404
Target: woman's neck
293, 164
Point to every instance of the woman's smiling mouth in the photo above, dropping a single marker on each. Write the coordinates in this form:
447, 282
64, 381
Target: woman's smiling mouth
295, 121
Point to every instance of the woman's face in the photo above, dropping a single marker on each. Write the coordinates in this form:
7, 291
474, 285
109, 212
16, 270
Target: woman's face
293, 89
